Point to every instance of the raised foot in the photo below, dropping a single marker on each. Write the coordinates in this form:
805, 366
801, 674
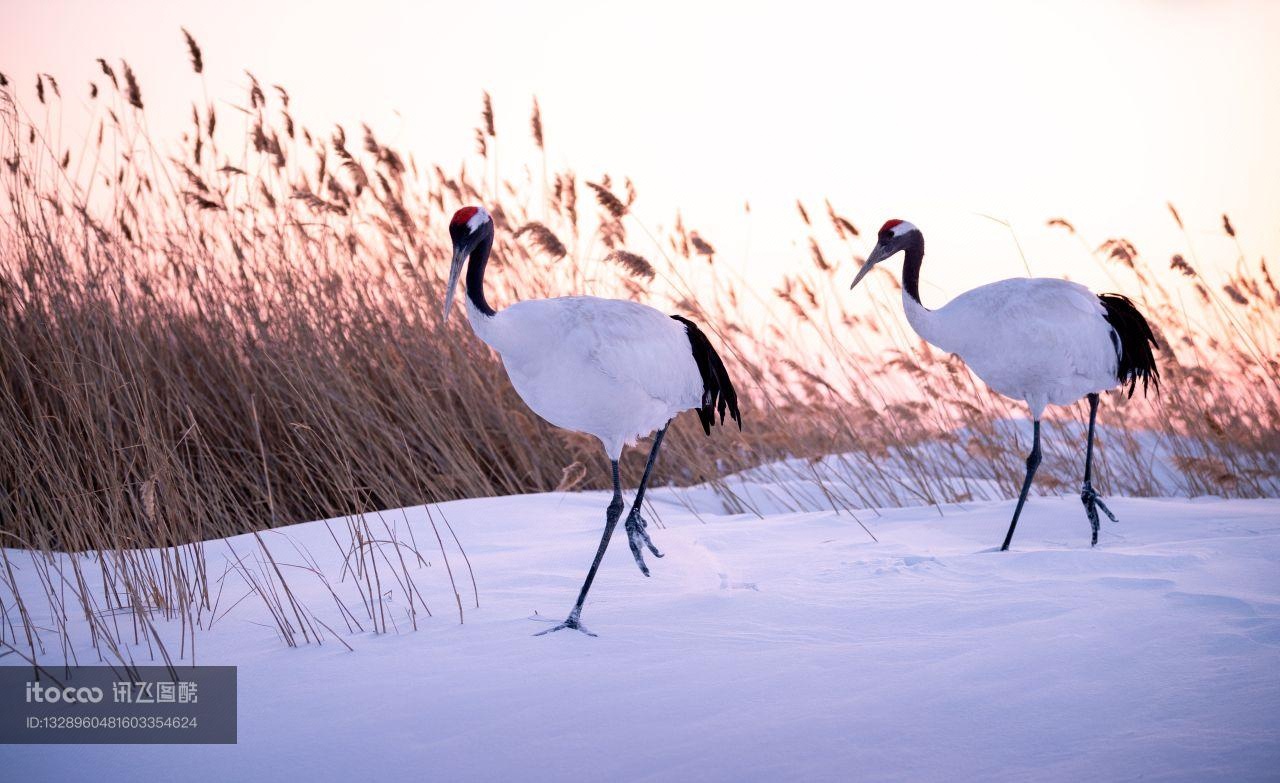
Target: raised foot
1092, 503
572, 623
636, 536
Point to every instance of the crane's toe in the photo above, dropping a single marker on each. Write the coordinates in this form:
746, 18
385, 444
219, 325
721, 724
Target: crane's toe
644, 534
633, 539
572, 623
1092, 503
648, 542
637, 536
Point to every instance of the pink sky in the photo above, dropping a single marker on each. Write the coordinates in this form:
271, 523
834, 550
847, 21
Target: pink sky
934, 112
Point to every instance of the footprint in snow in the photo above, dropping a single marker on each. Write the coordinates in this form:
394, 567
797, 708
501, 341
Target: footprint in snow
914, 560
725, 584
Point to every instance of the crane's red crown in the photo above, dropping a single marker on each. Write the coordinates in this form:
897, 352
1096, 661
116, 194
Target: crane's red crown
464, 216
888, 225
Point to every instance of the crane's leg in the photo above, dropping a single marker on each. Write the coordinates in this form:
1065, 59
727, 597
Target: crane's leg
636, 533
1088, 497
611, 521
1033, 462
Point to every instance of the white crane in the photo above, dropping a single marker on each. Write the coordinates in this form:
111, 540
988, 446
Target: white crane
607, 367
1041, 340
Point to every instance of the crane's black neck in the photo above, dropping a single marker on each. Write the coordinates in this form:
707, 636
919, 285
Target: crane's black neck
475, 272
911, 265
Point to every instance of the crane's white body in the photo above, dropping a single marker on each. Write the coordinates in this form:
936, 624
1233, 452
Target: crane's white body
1042, 340
614, 369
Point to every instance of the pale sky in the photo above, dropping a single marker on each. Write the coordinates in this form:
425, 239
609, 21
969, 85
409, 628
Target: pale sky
929, 111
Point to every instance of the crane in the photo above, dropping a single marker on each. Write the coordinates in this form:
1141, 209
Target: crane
1041, 340
611, 368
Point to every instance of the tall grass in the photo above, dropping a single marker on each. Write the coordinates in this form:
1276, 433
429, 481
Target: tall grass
239, 329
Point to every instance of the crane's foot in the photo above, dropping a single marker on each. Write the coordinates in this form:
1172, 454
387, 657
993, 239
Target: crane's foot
637, 536
1092, 503
572, 623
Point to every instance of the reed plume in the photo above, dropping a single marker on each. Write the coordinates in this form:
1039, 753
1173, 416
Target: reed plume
543, 238
193, 50
611, 203
634, 264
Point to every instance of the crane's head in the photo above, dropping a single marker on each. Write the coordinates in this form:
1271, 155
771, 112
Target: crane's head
895, 236
470, 228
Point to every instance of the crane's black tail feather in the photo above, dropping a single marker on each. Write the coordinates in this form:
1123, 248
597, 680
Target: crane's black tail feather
717, 390
1136, 361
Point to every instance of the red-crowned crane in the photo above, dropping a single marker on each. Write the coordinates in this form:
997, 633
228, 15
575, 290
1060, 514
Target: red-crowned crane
1042, 340
614, 369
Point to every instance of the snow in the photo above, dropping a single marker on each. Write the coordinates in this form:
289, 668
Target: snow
785, 647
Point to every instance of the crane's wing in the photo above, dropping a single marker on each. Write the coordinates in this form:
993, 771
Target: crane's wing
1035, 332
1070, 321
630, 343
636, 343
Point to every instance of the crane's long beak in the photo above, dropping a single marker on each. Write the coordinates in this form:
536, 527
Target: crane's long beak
460, 253
877, 255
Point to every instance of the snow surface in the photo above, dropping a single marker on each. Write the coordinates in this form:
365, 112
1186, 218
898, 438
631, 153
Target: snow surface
788, 647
